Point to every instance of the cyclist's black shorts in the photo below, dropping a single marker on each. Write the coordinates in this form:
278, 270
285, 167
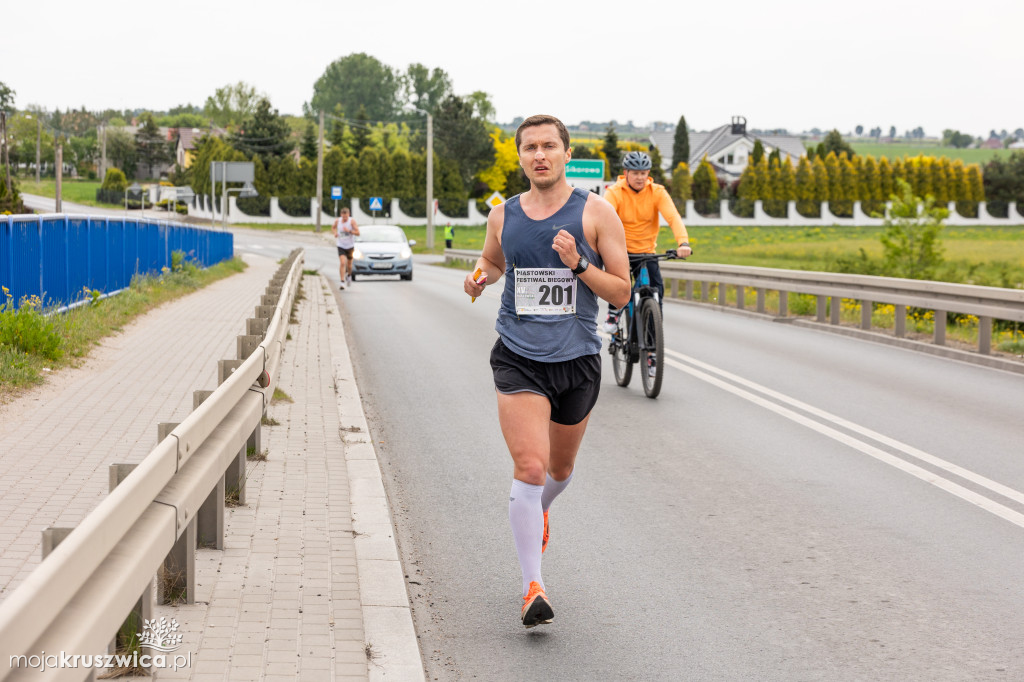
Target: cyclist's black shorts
571, 386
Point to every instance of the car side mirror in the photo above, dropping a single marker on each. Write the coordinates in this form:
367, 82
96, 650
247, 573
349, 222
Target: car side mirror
412, 242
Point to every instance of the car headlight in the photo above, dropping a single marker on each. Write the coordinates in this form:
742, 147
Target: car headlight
357, 254
405, 253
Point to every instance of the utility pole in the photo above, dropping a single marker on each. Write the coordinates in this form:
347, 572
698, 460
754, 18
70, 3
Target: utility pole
59, 157
320, 173
430, 181
103, 151
39, 144
7, 155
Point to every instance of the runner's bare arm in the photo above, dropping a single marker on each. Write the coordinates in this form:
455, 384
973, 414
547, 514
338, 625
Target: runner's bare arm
355, 227
609, 240
492, 260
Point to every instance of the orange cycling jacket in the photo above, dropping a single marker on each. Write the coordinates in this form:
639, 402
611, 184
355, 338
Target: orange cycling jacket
639, 214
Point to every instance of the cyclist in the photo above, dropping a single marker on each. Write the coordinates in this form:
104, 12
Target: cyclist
638, 200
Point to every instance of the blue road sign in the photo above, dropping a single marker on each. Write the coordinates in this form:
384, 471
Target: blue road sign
376, 204
335, 192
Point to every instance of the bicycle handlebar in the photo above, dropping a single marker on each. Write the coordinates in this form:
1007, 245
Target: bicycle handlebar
668, 255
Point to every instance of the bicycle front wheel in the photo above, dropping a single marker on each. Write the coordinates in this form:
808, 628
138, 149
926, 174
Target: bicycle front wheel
652, 347
622, 363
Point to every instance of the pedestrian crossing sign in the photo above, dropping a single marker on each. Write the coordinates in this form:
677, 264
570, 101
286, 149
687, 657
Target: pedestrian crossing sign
376, 204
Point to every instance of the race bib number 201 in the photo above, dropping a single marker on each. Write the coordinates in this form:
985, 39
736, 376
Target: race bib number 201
545, 291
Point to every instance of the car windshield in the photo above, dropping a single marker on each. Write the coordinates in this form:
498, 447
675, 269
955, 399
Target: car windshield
381, 233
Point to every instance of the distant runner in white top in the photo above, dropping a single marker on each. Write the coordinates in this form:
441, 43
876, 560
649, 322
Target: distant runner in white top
345, 230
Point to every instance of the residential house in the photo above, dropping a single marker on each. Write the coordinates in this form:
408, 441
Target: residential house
728, 147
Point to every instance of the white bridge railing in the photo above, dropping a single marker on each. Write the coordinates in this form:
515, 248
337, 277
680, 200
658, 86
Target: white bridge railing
139, 543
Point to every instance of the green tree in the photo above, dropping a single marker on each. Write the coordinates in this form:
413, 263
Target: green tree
681, 144
482, 106
757, 154
682, 183
310, 147
369, 184
911, 246
360, 131
885, 179
6, 98
975, 183
941, 170
285, 180
121, 151
612, 153
782, 181
210, 148
337, 134
869, 191
401, 169
821, 181
705, 188
264, 133
1004, 179
806, 204
657, 172
847, 186
462, 137
358, 80
425, 88
114, 180
834, 142
835, 191
232, 104
151, 148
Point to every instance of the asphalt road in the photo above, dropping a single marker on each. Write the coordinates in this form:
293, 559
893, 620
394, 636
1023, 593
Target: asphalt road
795, 505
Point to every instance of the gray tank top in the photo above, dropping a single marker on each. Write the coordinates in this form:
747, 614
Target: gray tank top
526, 244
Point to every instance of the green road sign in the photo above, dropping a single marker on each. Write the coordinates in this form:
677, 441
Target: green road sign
585, 168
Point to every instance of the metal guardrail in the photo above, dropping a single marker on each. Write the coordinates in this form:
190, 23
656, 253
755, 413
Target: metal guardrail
56, 256
987, 303
82, 592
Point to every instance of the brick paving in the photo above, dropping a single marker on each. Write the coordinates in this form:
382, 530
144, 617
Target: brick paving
282, 601
57, 441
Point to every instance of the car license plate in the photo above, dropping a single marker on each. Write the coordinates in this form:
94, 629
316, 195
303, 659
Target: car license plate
381, 266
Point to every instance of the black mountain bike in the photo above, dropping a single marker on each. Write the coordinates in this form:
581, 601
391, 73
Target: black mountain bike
639, 337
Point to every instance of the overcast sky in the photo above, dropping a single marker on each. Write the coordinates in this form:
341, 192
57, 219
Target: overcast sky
792, 64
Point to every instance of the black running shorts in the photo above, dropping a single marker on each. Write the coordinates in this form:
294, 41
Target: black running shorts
347, 253
570, 386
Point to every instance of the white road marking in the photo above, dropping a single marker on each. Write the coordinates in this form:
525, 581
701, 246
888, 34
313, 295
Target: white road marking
949, 486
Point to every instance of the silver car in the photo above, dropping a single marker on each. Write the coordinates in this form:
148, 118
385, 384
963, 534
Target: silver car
382, 250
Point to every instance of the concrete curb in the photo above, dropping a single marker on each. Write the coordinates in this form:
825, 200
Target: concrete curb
387, 616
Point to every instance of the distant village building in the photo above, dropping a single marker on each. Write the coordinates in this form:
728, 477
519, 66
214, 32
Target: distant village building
728, 147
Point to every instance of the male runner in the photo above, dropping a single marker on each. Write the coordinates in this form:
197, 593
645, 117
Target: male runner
345, 230
638, 200
550, 242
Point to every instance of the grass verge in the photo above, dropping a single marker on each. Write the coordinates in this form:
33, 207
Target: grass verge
34, 342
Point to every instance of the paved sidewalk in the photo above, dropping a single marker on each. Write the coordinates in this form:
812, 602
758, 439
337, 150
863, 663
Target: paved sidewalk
309, 585
57, 441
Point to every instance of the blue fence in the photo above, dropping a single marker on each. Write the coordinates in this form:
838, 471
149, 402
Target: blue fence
56, 256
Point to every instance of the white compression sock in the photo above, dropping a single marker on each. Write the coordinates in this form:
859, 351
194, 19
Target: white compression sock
527, 520
552, 489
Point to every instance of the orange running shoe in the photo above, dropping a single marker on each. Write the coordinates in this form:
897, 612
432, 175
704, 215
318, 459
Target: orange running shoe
536, 609
544, 543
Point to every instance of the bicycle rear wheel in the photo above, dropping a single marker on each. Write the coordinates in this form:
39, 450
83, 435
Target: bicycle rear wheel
652, 347
621, 362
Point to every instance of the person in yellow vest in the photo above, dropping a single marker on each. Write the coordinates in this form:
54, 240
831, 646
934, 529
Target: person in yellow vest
449, 235
638, 200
